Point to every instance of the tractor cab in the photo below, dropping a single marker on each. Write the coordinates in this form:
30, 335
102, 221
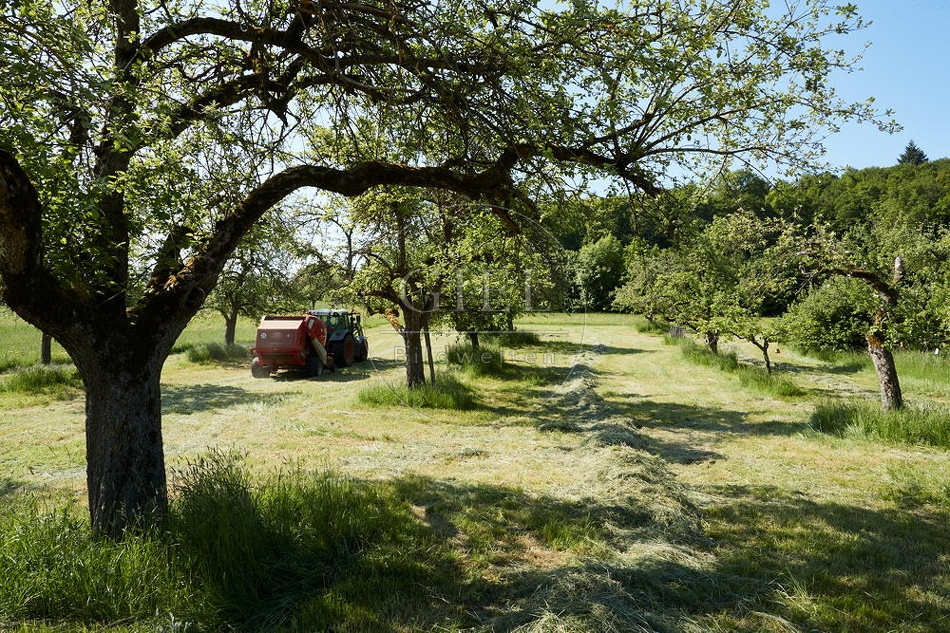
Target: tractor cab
345, 339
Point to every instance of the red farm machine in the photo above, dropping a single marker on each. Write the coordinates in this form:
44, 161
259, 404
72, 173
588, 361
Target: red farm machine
308, 342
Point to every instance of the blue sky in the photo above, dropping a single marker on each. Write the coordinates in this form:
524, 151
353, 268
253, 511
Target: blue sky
906, 69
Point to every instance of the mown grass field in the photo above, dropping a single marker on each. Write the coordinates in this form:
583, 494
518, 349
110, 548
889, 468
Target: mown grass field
600, 481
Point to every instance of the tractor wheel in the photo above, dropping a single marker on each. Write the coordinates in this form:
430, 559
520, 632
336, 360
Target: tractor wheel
344, 351
258, 370
314, 367
362, 349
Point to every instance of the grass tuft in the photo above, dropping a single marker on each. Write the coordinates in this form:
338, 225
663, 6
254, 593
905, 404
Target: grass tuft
866, 419
758, 379
932, 369
700, 355
216, 353
264, 550
448, 393
912, 487
53, 568
750, 377
486, 360
59, 381
516, 338
292, 551
644, 325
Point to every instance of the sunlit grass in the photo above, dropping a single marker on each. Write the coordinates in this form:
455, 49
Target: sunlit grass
912, 486
750, 376
910, 425
475, 521
42, 378
37, 384
486, 359
53, 568
802, 564
294, 550
448, 392
217, 353
20, 343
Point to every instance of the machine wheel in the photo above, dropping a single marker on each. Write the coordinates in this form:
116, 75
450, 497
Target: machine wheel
344, 350
258, 370
362, 349
314, 367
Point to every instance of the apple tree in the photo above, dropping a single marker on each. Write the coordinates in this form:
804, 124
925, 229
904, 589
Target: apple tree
140, 141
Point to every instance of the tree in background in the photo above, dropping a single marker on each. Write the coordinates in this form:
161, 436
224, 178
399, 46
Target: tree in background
599, 271
834, 316
333, 253
720, 283
141, 141
432, 258
734, 190
912, 155
400, 276
903, 271
803, 200
496, 275
258, 278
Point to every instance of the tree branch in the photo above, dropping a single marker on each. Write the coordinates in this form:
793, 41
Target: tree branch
27, 286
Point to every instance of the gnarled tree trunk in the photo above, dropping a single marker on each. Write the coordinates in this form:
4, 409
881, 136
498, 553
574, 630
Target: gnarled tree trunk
883, 360
125, 461
121, 366
712, 341
881, 356
412, 337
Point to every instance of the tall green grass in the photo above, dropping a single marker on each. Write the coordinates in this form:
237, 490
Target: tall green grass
52, 568
296, 550
262, 551
646, 326
59, 381
924, 364
20, 343
911, 486
217, 353
515, 338
866, 419
750, 377
448, 392
911, 364
486, 360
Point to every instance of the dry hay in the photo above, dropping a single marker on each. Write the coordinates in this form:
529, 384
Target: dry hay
649, 519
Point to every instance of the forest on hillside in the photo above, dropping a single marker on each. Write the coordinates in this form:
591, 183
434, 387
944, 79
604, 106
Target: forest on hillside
822, 256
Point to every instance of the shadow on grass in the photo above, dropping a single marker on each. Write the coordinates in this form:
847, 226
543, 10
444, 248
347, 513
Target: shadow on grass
356, 371
10, 486
349, 374
771, 557
600, 348
832, 566
515, 547
189, 399
417, 553
575, 348
574, 406
854, 367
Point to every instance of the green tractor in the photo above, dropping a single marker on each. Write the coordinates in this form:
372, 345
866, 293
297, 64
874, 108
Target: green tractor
346, 342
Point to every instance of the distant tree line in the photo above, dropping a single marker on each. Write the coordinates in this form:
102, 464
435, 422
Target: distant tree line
826, 262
